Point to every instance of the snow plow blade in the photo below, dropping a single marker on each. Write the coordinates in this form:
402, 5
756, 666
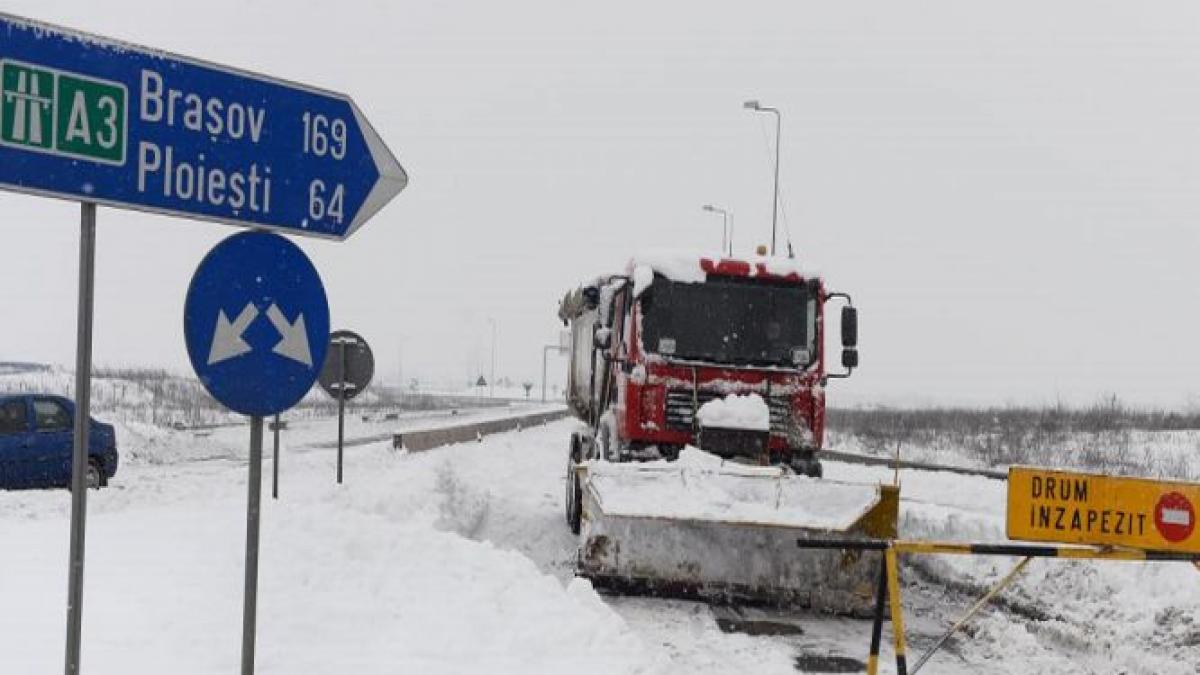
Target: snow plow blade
729, 535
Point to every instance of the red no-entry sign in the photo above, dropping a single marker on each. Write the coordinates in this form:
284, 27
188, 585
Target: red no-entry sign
1174, 517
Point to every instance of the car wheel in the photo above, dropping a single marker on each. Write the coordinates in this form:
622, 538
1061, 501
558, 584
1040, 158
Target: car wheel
94, 477
574, 497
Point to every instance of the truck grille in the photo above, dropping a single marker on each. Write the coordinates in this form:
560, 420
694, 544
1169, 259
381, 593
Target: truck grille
679, 409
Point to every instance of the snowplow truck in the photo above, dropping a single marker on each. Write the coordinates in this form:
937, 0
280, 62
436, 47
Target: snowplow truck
669, 498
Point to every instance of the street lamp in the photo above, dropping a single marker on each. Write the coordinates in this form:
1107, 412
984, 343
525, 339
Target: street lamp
563, 347
757, 107
400, 371
727, 232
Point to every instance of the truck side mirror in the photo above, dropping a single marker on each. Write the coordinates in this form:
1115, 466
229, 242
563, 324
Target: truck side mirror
849, 358
850, 329
591, 297
849, 337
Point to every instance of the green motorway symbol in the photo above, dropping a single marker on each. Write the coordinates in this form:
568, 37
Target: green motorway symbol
62, 113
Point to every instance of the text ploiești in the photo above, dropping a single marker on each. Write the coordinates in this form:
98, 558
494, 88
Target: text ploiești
193, 178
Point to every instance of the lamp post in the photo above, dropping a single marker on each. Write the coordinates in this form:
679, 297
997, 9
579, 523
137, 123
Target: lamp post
400, 371
757, 107
545, 353
727, 231
563, 347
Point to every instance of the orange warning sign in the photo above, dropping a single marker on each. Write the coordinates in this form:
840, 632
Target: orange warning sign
1079, 508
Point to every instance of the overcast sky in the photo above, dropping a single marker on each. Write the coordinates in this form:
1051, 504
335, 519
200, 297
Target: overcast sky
1011, 192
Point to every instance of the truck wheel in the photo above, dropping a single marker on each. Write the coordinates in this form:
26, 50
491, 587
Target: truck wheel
574, 498
813, 469
810, 466
94, 478
816, 470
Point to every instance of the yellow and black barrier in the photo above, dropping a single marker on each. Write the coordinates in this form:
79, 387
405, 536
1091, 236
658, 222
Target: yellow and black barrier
888, 591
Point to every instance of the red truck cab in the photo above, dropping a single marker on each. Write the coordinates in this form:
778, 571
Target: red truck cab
675, 333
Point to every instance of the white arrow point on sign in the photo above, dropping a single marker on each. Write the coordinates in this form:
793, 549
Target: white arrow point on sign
227, 337
392, 177
294, 344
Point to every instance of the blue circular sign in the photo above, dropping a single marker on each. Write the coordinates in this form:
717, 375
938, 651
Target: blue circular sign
256, 323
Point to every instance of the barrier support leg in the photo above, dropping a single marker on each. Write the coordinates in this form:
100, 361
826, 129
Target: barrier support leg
987, 597
893, 573
877, 626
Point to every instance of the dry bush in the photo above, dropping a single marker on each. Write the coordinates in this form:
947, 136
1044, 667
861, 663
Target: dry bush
1097, 437
166, 399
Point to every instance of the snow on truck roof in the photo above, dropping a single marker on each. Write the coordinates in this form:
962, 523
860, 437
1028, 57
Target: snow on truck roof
689, 267
684, 267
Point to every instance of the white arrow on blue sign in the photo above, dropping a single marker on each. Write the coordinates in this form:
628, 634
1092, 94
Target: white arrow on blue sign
91, 119
266, 358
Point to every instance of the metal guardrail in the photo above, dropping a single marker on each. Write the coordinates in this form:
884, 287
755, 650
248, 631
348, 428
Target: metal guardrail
892, 463
419, 441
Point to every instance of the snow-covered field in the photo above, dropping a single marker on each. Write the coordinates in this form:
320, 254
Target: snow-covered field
457, 560
1134, 452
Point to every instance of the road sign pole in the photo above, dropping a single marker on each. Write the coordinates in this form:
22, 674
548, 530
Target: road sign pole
341, 406
275, 463
250, 607
83, 390
345, 373
255, 277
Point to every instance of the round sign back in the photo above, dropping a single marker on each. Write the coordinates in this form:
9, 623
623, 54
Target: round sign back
256, 322
349, 365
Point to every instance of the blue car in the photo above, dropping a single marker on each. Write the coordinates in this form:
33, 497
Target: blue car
36, 441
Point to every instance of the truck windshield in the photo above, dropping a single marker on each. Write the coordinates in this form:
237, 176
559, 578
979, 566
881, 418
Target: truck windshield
730, 320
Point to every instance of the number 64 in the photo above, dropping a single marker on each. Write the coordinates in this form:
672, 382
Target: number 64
322, 202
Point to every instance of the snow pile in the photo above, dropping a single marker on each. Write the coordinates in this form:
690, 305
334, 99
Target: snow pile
678, 266
736, 411
700, 486
692, 460
1100, 616
643, 276
696, 460
392, 572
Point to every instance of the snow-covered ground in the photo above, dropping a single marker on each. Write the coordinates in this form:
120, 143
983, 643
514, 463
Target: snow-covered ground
457, 560
1094, 617
380, 575
1135, 452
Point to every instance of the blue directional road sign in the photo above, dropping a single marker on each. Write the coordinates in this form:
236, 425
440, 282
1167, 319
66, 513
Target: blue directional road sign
90, 119
256, 323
